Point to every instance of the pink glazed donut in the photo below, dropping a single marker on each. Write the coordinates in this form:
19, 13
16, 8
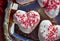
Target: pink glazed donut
50, 7
48, 31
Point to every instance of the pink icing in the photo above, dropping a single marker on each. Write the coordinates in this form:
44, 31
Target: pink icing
51, 32
51, 4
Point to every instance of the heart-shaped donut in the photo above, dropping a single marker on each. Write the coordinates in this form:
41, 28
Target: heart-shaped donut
27, 21
50, 7
48, 31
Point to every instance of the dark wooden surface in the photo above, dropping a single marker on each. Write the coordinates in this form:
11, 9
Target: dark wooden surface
1, 26
3, 4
